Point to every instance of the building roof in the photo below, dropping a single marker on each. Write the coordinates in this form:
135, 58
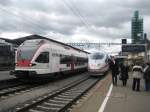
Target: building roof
7, 40
19, 41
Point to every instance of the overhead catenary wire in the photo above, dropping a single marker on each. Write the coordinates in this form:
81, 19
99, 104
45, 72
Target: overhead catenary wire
29, 21
76, 13
79, 12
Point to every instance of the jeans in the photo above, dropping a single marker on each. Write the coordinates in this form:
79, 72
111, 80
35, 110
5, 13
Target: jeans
114, 79
147, 85
124, 82
136, 84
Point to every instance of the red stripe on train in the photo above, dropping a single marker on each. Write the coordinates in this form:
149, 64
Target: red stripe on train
23, 63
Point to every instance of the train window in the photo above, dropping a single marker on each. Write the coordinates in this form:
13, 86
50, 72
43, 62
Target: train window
68, 65
64, 59
5, 50
97, 56
80, 61
43, 58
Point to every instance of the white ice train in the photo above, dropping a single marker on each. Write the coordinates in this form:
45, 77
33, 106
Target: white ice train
39, 58
98, 63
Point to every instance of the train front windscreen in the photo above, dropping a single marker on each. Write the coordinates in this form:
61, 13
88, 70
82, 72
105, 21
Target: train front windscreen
26, 52
97, 56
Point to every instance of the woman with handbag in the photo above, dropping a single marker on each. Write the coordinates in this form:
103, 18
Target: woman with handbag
124, 73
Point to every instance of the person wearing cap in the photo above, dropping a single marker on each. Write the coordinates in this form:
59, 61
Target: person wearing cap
137, 75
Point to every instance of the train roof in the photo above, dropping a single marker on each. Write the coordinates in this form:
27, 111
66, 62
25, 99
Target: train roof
19, 41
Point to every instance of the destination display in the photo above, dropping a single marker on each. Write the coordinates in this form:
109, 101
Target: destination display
133, 48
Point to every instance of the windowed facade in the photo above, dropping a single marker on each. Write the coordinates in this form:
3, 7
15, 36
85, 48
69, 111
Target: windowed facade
7, 58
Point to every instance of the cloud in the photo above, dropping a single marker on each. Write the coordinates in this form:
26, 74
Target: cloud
14, 35
77, 20
5, 2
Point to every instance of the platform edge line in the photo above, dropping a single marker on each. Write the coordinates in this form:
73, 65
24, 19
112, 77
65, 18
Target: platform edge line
102, 107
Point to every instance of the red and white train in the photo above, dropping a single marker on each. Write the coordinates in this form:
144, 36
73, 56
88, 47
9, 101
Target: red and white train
40, 57
98, 63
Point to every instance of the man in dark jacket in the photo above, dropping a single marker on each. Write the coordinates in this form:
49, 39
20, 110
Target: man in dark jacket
124, 73
147, 77
115, 70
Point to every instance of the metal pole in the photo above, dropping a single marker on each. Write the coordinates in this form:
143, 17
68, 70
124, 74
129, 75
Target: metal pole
145, 53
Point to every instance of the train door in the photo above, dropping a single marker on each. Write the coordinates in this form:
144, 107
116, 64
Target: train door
55, 62
42, 62
72, 63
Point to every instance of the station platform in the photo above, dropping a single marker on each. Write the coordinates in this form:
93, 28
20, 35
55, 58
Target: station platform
4, 75
105, 97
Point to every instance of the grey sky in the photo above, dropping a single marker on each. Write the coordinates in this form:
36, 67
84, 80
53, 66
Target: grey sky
72, 20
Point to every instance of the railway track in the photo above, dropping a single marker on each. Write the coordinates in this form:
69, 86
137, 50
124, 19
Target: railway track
12, 87
4, 84
11, 91
59, 100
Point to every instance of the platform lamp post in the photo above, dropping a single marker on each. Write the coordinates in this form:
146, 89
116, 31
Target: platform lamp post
123, 41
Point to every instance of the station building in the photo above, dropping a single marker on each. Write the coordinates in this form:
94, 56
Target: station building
136, 28
137, 52
139, 49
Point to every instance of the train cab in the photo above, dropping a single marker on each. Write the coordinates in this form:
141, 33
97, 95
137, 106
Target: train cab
98, 63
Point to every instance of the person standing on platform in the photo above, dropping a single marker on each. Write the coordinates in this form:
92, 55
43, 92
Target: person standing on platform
115, 70
147, 77
124, 73
137, 75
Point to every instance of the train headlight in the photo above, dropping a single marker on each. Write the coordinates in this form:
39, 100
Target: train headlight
32, 64
16, 64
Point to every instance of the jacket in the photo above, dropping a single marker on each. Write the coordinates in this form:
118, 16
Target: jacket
124, 72
137, 71
147, 73
114, 68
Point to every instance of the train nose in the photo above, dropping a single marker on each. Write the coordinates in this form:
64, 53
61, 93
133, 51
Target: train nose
94, 66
